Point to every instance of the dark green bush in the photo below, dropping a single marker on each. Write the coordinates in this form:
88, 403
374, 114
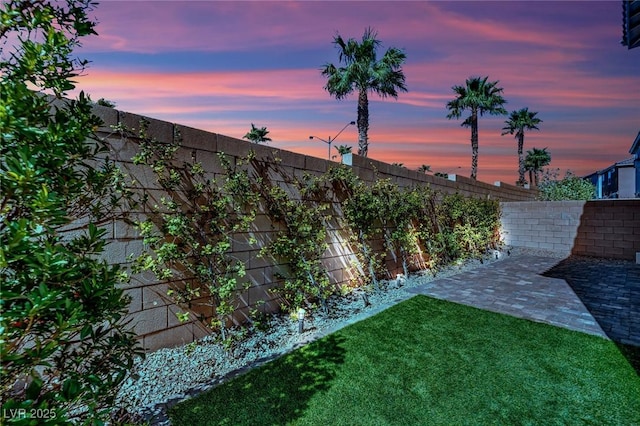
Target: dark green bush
63, 343
469, 226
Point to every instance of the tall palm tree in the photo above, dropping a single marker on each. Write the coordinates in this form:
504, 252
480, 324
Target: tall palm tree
518, 122
479, 96
535, 160
256, 135
364, 73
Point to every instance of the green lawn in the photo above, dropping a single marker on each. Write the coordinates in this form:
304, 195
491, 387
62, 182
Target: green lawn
432, 362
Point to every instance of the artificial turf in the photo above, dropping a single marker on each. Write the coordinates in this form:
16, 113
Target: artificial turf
431, 362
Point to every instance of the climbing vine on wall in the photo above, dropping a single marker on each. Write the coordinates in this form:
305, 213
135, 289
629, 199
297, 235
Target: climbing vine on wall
470, 225
189, 235
300, 245
361, 210
417, 231
190, 232
407, 213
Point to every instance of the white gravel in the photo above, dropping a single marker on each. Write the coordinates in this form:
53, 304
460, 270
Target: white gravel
168, 376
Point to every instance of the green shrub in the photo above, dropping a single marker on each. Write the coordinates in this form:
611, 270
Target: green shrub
468, 226
571, 187
411, 221
63, 344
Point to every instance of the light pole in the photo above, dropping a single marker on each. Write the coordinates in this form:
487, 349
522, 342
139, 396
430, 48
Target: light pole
330, 141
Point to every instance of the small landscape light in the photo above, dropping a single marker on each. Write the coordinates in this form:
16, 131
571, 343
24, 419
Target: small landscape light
301, 313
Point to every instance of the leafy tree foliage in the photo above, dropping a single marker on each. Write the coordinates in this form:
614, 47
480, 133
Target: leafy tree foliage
364, 72
479, 96
63, 343
518, 122
570, 187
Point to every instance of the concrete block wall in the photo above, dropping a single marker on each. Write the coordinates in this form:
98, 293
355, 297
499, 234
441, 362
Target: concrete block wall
548, 225
152, 312
610, 229
597, 228
369, 170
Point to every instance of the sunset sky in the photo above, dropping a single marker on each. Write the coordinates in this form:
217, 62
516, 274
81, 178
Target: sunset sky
220, 66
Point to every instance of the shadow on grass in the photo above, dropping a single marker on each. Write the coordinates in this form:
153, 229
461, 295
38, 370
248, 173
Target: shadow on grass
429, 361
610, 290
279, 391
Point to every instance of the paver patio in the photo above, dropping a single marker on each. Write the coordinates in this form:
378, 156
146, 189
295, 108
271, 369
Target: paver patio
594, 296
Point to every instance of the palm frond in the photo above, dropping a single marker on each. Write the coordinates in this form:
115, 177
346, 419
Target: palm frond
362, 71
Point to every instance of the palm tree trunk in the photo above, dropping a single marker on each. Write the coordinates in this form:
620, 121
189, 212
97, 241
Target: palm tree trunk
531, 178
474, 143
363, 123
521, 180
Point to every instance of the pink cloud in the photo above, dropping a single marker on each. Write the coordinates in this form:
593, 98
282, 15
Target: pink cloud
542, 80
174, 97
140, 26
235, 26
541, 64
469, 28
301, 84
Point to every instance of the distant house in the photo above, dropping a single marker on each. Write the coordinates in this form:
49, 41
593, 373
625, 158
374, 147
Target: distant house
635, 151
631, 23
620, 180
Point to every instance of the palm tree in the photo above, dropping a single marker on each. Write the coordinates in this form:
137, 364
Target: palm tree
424, 169
479, 96
535, 160
364, 73
256, 135
343, 149
518, 122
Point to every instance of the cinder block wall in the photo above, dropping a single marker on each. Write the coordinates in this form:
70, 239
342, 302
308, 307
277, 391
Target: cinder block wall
549, 225
598, 228
152, 313
609, 228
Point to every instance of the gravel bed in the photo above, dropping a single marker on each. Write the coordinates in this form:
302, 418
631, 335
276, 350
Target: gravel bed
168, 376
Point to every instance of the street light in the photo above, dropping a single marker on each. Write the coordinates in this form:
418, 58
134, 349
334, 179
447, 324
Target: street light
330, 141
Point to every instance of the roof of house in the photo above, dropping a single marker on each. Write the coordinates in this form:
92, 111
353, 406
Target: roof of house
627, 162
635, 146
631, 23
